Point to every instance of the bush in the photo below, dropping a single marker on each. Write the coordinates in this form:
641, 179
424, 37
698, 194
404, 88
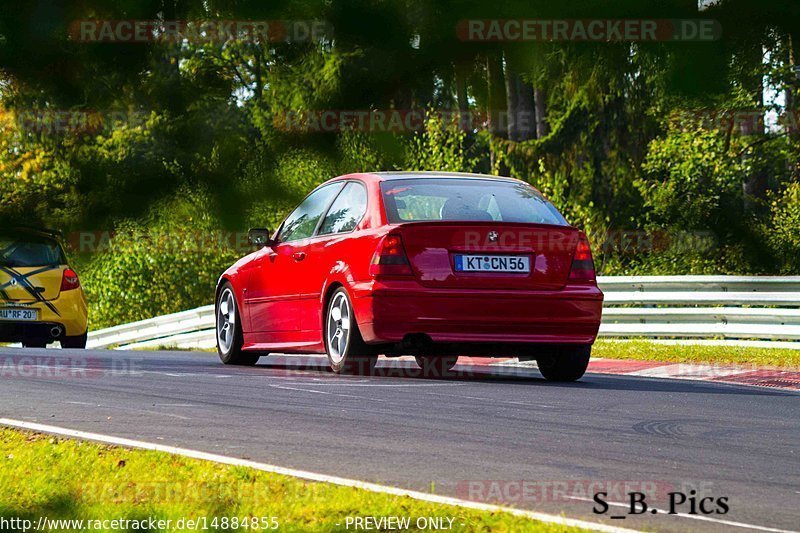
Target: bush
441, 146
692, 181
295, 174
170, 262
783, 229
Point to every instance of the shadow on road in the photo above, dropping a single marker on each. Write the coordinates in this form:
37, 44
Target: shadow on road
110, 363
522, 376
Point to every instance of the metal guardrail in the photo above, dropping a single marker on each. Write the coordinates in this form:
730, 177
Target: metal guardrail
192, 327
754, 310
737, 308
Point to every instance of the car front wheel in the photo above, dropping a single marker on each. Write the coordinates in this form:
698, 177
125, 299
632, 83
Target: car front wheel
229, 331
347, 351
564, 363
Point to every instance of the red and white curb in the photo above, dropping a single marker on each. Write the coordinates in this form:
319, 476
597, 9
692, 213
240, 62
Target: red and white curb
740, 375
733, 374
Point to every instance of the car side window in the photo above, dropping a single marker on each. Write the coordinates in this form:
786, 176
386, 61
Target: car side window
302, 222
347, 210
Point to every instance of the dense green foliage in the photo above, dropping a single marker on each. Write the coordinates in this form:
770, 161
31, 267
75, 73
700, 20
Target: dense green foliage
636, 142
169, 261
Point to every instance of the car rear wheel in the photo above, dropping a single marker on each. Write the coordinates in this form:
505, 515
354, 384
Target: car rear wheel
229, 331
75, 341
436, 366
566, 363
347, 351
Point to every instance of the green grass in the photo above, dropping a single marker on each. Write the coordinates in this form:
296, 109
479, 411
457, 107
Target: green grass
41, 475
643, 350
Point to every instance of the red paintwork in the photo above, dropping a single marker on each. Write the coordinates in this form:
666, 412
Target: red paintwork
282, 294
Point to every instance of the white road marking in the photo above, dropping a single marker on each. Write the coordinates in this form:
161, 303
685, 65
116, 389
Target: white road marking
374, 384
297, 389
492, 400
329, 393
141, 410
134, 409
687, 371
311, 476
146, 411
184, 374
696, 517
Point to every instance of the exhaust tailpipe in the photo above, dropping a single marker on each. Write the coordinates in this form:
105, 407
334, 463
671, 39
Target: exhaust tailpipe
56, 331
416, 344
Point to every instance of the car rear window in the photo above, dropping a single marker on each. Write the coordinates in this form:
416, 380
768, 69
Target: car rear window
30, 251
466, 200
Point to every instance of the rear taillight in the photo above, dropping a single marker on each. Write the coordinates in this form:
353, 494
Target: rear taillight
390, 258
582, 263
69, 281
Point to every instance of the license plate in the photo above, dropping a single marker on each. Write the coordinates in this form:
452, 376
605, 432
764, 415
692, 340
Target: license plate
24, 315
493, 263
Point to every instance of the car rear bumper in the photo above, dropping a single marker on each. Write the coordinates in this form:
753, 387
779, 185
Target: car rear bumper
71, 314
21, 331
387, 313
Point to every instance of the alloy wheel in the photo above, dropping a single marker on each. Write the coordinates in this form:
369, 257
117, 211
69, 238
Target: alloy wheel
226, 320
338, 327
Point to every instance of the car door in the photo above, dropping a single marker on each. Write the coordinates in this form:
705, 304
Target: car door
273, 290
328, 252
270, 306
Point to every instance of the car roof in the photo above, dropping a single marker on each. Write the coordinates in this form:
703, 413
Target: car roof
30, 231
421, 174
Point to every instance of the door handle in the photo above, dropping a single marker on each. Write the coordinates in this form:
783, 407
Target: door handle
299, 256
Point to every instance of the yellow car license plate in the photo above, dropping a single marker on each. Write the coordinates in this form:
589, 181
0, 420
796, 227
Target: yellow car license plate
14, 313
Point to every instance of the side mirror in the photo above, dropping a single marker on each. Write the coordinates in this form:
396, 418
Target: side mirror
259, 237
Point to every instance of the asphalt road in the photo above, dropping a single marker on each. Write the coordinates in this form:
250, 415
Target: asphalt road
476, 435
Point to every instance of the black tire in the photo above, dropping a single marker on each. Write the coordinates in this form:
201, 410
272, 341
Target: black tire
230, 348
34, 343
351, 355
433, 366
565, 363
76, 341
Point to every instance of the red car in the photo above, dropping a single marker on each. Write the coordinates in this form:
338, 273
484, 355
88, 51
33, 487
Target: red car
430, 264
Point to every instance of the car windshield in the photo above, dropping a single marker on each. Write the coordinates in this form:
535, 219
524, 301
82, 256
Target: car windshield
467, 200
29, 252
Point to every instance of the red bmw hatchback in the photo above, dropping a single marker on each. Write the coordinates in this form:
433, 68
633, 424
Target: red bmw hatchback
430, 264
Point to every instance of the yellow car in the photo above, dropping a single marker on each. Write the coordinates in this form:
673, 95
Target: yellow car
41, 299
